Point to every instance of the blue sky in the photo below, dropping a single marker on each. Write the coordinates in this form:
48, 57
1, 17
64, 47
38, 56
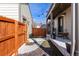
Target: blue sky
39, 11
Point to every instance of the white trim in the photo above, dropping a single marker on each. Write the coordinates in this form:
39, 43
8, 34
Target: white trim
73, 30
50, 10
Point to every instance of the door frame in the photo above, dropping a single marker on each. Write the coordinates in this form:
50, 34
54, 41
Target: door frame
59, 18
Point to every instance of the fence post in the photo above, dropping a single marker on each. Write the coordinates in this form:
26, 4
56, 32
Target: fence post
26, 34
16, 37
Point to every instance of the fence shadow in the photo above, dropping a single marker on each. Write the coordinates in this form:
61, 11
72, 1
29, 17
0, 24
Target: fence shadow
48, 50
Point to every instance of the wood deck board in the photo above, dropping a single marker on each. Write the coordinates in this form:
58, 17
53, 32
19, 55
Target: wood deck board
62, 49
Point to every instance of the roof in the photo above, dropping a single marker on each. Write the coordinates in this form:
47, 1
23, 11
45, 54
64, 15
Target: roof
51, 7
57, 8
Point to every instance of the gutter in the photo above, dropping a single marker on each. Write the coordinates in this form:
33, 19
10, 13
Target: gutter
50, 10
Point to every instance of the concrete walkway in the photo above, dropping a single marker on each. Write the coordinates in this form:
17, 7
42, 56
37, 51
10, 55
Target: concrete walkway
37, 47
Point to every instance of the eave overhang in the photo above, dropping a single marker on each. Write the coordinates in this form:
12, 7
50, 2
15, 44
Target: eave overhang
58, 8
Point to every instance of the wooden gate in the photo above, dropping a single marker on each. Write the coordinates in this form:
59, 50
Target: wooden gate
39, 32
12, 36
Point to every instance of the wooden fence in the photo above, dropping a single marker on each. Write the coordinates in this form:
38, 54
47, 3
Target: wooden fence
39, 32
12, 36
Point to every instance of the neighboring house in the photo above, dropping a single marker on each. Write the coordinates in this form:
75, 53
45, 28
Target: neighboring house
17, 11
34, 24
37, 25
59, 25
43, 26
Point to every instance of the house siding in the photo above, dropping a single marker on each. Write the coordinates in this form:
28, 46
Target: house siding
10, 10
67, 22
25, 11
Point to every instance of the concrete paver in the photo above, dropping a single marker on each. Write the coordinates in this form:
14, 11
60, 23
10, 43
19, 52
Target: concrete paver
36, 49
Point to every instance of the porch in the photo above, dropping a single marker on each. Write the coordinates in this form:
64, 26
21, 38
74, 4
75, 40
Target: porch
63, 45
59, 25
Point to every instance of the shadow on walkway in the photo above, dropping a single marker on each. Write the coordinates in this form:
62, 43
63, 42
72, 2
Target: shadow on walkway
50, 50
47, 50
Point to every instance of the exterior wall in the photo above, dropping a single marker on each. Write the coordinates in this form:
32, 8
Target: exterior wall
9, 10
67, 22
25, 12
